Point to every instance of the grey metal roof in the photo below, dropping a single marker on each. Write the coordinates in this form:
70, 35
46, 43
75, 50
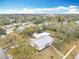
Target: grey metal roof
2, 55
77, 56
43, 41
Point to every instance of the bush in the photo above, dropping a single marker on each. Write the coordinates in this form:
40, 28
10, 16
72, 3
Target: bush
58, 43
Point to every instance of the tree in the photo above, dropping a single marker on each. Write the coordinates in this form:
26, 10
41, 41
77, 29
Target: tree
58, 43
38, 28
40, 20
23, 51
76, 32
28, 31
2, 31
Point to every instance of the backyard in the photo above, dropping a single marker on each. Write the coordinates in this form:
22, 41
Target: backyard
50, 53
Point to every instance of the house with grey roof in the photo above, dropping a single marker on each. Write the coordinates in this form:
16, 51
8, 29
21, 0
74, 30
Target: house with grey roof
41, 40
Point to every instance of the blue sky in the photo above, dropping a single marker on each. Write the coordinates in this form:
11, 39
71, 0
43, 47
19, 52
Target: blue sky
36, 3
40, 6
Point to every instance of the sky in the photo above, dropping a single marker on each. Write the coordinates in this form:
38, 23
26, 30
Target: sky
39, 6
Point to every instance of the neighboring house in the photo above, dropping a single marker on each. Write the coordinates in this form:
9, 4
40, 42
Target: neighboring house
77, 56
77, 22
8, 31
20, 28
2, 55
12, 20
8, 28
41, 40
2, 36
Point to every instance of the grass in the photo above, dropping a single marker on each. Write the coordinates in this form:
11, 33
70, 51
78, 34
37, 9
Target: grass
66, 46
47, 53
75, 51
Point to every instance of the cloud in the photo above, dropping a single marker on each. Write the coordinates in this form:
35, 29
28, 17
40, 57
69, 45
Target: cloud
72, 10
54, 10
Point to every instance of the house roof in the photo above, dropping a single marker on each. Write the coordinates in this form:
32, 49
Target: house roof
77, 22
2, 55
77, 56
38, 35
43, 41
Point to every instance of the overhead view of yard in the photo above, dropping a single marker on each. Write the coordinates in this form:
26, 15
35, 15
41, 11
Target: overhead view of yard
39, 29
40, 37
